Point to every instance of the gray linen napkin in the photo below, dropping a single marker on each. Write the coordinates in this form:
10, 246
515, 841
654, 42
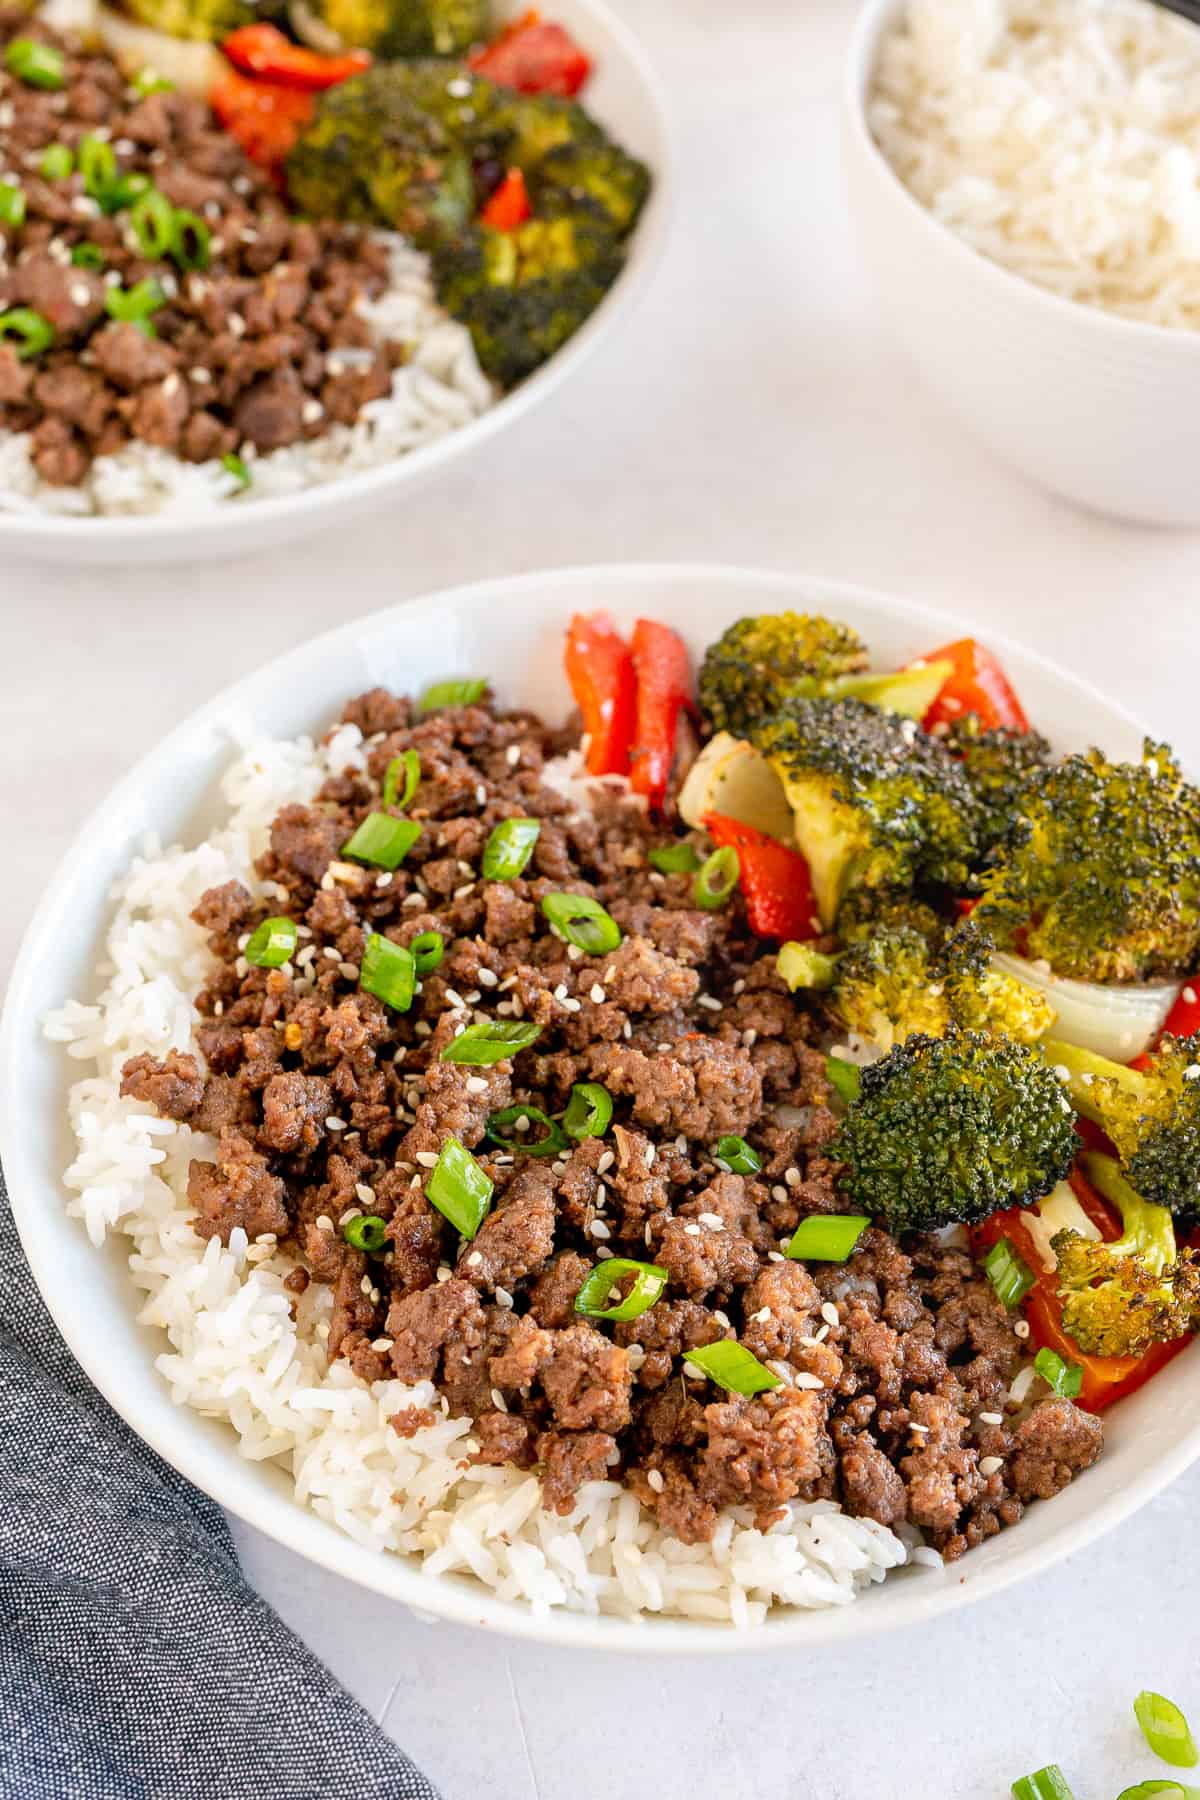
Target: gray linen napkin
135, 1662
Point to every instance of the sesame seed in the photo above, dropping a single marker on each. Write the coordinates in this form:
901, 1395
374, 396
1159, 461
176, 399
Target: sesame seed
349, 970
512, 755
365, 1285
627, 1029
655, 1480
335, 1124
692, 1372
487, 978
235, 322
385, 879
324, 1222
312, 411
761, 1317
792, 1177
598, 994
560, 992
573, 1006
707, 1000
821, 1334
498, 1401
476, 1084
574, 953
606, 1162
503, 1298
991, 1418
830, 1314
636, 1354
323, 1329
779, 1192
749, 1037
80, 293
331, 953
774, 1256
603, 1252
460, 893
713, 1220
444, 1273
481, 795
692, 1230
913, 1425
381, 1344
990, 1464
413, 900
805, 1380
599, 1229
1022, 1328
427, 1159
365, 1194
739, 987
475, 1260
648, 1156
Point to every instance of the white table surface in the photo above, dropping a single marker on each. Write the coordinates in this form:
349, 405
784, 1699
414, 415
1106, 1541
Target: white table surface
755, 412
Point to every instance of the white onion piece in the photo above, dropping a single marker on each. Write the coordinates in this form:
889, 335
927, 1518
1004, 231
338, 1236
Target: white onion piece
1117, 1022
192, 65
1059, 1211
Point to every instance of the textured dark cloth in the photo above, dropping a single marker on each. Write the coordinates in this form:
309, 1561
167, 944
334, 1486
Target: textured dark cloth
135, 1662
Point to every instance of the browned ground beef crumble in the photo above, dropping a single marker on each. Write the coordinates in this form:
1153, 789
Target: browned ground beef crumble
245, 351
898, 1363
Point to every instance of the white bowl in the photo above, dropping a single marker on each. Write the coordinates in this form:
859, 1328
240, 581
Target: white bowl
1101, 409
512, 630
626, 96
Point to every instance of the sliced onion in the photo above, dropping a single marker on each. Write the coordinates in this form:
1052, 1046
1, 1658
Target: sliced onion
1059, 1211
191, 64
1117, 1022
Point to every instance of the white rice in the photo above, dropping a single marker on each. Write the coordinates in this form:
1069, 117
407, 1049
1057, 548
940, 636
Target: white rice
439, 388
1058, 137
235, 1353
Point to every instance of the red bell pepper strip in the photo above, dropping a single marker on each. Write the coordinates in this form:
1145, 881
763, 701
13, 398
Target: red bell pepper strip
262, 50
774, 879
509, 205
534, 58
599, 665
978, 685
664, 690
265, 117
1182, 1020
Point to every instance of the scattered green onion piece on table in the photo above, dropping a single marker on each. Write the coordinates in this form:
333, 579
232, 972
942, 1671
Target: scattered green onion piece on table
57, 163
382, 840
674, 859
552, 1142
148, 81
407, 768
452, 693
1166, 1730
732, 1367
271, 943
716, 879
388, 971
88, 256
133, 306
738, 1156
1043, 1784
1157, 1784
366, 1232
845, 1078
583, 922
491, 1043
589, 1110
459, 1188
233, 465
38, 65
12, 204
648, 1283
97, 163
509, 848
1008, 1273
33, 332
428, 948
1063, 1378
191, 240
826, 1237
152, 222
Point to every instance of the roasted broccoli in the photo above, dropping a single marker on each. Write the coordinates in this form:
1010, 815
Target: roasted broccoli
947, 1130
583, 176
394, 28
1100, 874
981, 997
877, 802
1151, 1114
207, 20
998, 765
1120, 1297
866, 911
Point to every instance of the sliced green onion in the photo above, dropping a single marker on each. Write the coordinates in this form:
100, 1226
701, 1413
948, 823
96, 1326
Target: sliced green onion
451, 693
1044, 1784
233, 465
382, 840
191, 240
407, 768
134, 305
845, 1078
648, 1283
509, 849
388, 971
97, 162
39, 65
826, 1237
122, 190
589, 1110
366, 1232
583, 922
732, 1367
1011, 1277
552, 1142
491, 1043
1144, 1790
737, 1155
428, 948
152, 222
34, 333
674, 859
271, 943
716, 879
57, 163
1166, 1730
1064, 1378
12, 204
149, 81
88, 256
459, 1188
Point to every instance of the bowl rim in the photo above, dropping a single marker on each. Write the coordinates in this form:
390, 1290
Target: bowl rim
874, 20
277, 1514
236, 529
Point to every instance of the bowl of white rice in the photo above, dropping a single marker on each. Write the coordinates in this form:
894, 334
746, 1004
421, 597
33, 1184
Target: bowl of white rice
1026, 179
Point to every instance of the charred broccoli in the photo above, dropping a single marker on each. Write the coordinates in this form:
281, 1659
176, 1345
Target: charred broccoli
394, 28
877, 803
206, 20
591, 177
998, 765
947, 1130
981, 997
1152, 1115
1101, 871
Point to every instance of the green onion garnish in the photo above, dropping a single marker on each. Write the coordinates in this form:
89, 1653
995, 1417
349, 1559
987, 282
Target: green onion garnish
33, 332
732, 1367
382, 840
57, 163
12, 204
1063, 1378
404, 768
459, 1188
271, 943
190, 239
451, 693
583, 922
40, 65
1011, 1277
716, 879
388, 971
1044, 1784
88, 256
428, 948
509, 849
491, 1043
648, 1283
1166, 1730
134, 305
589, 1110
122, 190
233, 465
366, 1232
1144, 1790
674, 859
826, 1237
737, 1155
149, 81
522, 1119
97, 162
152, 222
845, 1078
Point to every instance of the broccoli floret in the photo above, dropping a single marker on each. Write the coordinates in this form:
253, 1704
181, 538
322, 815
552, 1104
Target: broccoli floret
877, 802
599, 177
981, 997
999, 764
395, 28
1120, 1297
755, 666
1151, 1114
866, 911
1101, 871
947, 1130
206, 20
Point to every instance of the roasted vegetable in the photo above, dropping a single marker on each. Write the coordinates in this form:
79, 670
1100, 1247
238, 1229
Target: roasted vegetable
205, 20
397, 28
592, 176
999, 765
1151, 1114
